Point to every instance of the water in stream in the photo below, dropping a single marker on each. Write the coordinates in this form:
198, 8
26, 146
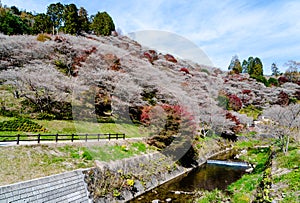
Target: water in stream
205, 177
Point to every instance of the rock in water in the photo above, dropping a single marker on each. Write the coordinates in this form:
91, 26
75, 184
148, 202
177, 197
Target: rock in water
168, 200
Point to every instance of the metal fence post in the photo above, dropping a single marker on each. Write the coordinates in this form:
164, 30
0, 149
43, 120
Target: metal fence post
86, 137
39, 138
108, 136
56, 138
72, 138
18, 139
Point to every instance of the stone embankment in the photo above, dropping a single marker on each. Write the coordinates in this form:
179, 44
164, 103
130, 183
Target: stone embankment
65, 187
116, 181
123, 180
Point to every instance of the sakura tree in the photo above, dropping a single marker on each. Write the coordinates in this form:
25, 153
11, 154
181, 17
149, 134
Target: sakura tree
285, 123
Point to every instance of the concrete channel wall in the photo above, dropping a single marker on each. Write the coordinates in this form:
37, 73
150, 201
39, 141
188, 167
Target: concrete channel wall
65, 187
71, 186
133, 165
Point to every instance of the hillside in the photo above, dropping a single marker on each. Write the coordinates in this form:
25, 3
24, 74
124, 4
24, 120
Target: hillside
49, 81
115, 78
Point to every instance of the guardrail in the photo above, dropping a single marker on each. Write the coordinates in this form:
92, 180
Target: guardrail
58, 137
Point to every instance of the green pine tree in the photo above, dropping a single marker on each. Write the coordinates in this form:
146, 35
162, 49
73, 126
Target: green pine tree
42, 23
102, 24
71, 19
254, 67
55, 12
83, 20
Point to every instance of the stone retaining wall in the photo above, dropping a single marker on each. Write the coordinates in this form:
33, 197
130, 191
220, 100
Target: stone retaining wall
150, 162
65, 187
71, 186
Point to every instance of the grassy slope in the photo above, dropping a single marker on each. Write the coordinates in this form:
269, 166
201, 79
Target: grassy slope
286, 175
19, 163
69, 127
287, 185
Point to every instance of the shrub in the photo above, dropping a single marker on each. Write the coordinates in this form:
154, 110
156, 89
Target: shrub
62, 67
233, 118
293, 100
170, 58
86, 155
261, 79
223, 101
235, 103
251, 111
149, 95
173, 119
273, 82
45, 116
185, 70
21, 124
283, 99
151, 55
282, 80
43, 37
9, 113
246, 91
205, 71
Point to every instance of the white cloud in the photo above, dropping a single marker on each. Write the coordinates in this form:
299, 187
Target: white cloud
172, 43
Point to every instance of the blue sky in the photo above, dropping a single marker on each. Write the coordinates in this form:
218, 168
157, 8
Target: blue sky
267, 29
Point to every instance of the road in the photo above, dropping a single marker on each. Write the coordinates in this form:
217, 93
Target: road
3, 144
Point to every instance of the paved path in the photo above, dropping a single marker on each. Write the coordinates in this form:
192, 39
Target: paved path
69, 141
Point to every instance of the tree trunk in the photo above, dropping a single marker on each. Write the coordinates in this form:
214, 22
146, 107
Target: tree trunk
287, 144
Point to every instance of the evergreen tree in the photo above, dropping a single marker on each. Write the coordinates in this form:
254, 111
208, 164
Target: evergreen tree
254, 67
257, 69
42, 23
11, 24
83, 20
250, 64
102, 24
235, 65
274, 69
15, 10
55, 11
71, 19
245, 66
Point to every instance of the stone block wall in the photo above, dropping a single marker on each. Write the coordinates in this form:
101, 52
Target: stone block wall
65, 187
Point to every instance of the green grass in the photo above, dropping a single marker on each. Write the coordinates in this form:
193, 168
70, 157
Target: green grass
70, 127
247, 144
4, 118
243, 190
211, 196
19, 163
251, 111
115, 152
290, 162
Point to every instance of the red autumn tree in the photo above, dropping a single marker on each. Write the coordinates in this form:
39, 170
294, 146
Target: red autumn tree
235, 103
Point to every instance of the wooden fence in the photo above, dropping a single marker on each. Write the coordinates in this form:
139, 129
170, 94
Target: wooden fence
58, 137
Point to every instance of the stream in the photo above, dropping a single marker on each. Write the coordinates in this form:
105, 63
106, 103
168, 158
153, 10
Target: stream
219, 172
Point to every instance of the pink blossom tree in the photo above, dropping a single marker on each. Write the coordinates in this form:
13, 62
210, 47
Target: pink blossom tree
285, 123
